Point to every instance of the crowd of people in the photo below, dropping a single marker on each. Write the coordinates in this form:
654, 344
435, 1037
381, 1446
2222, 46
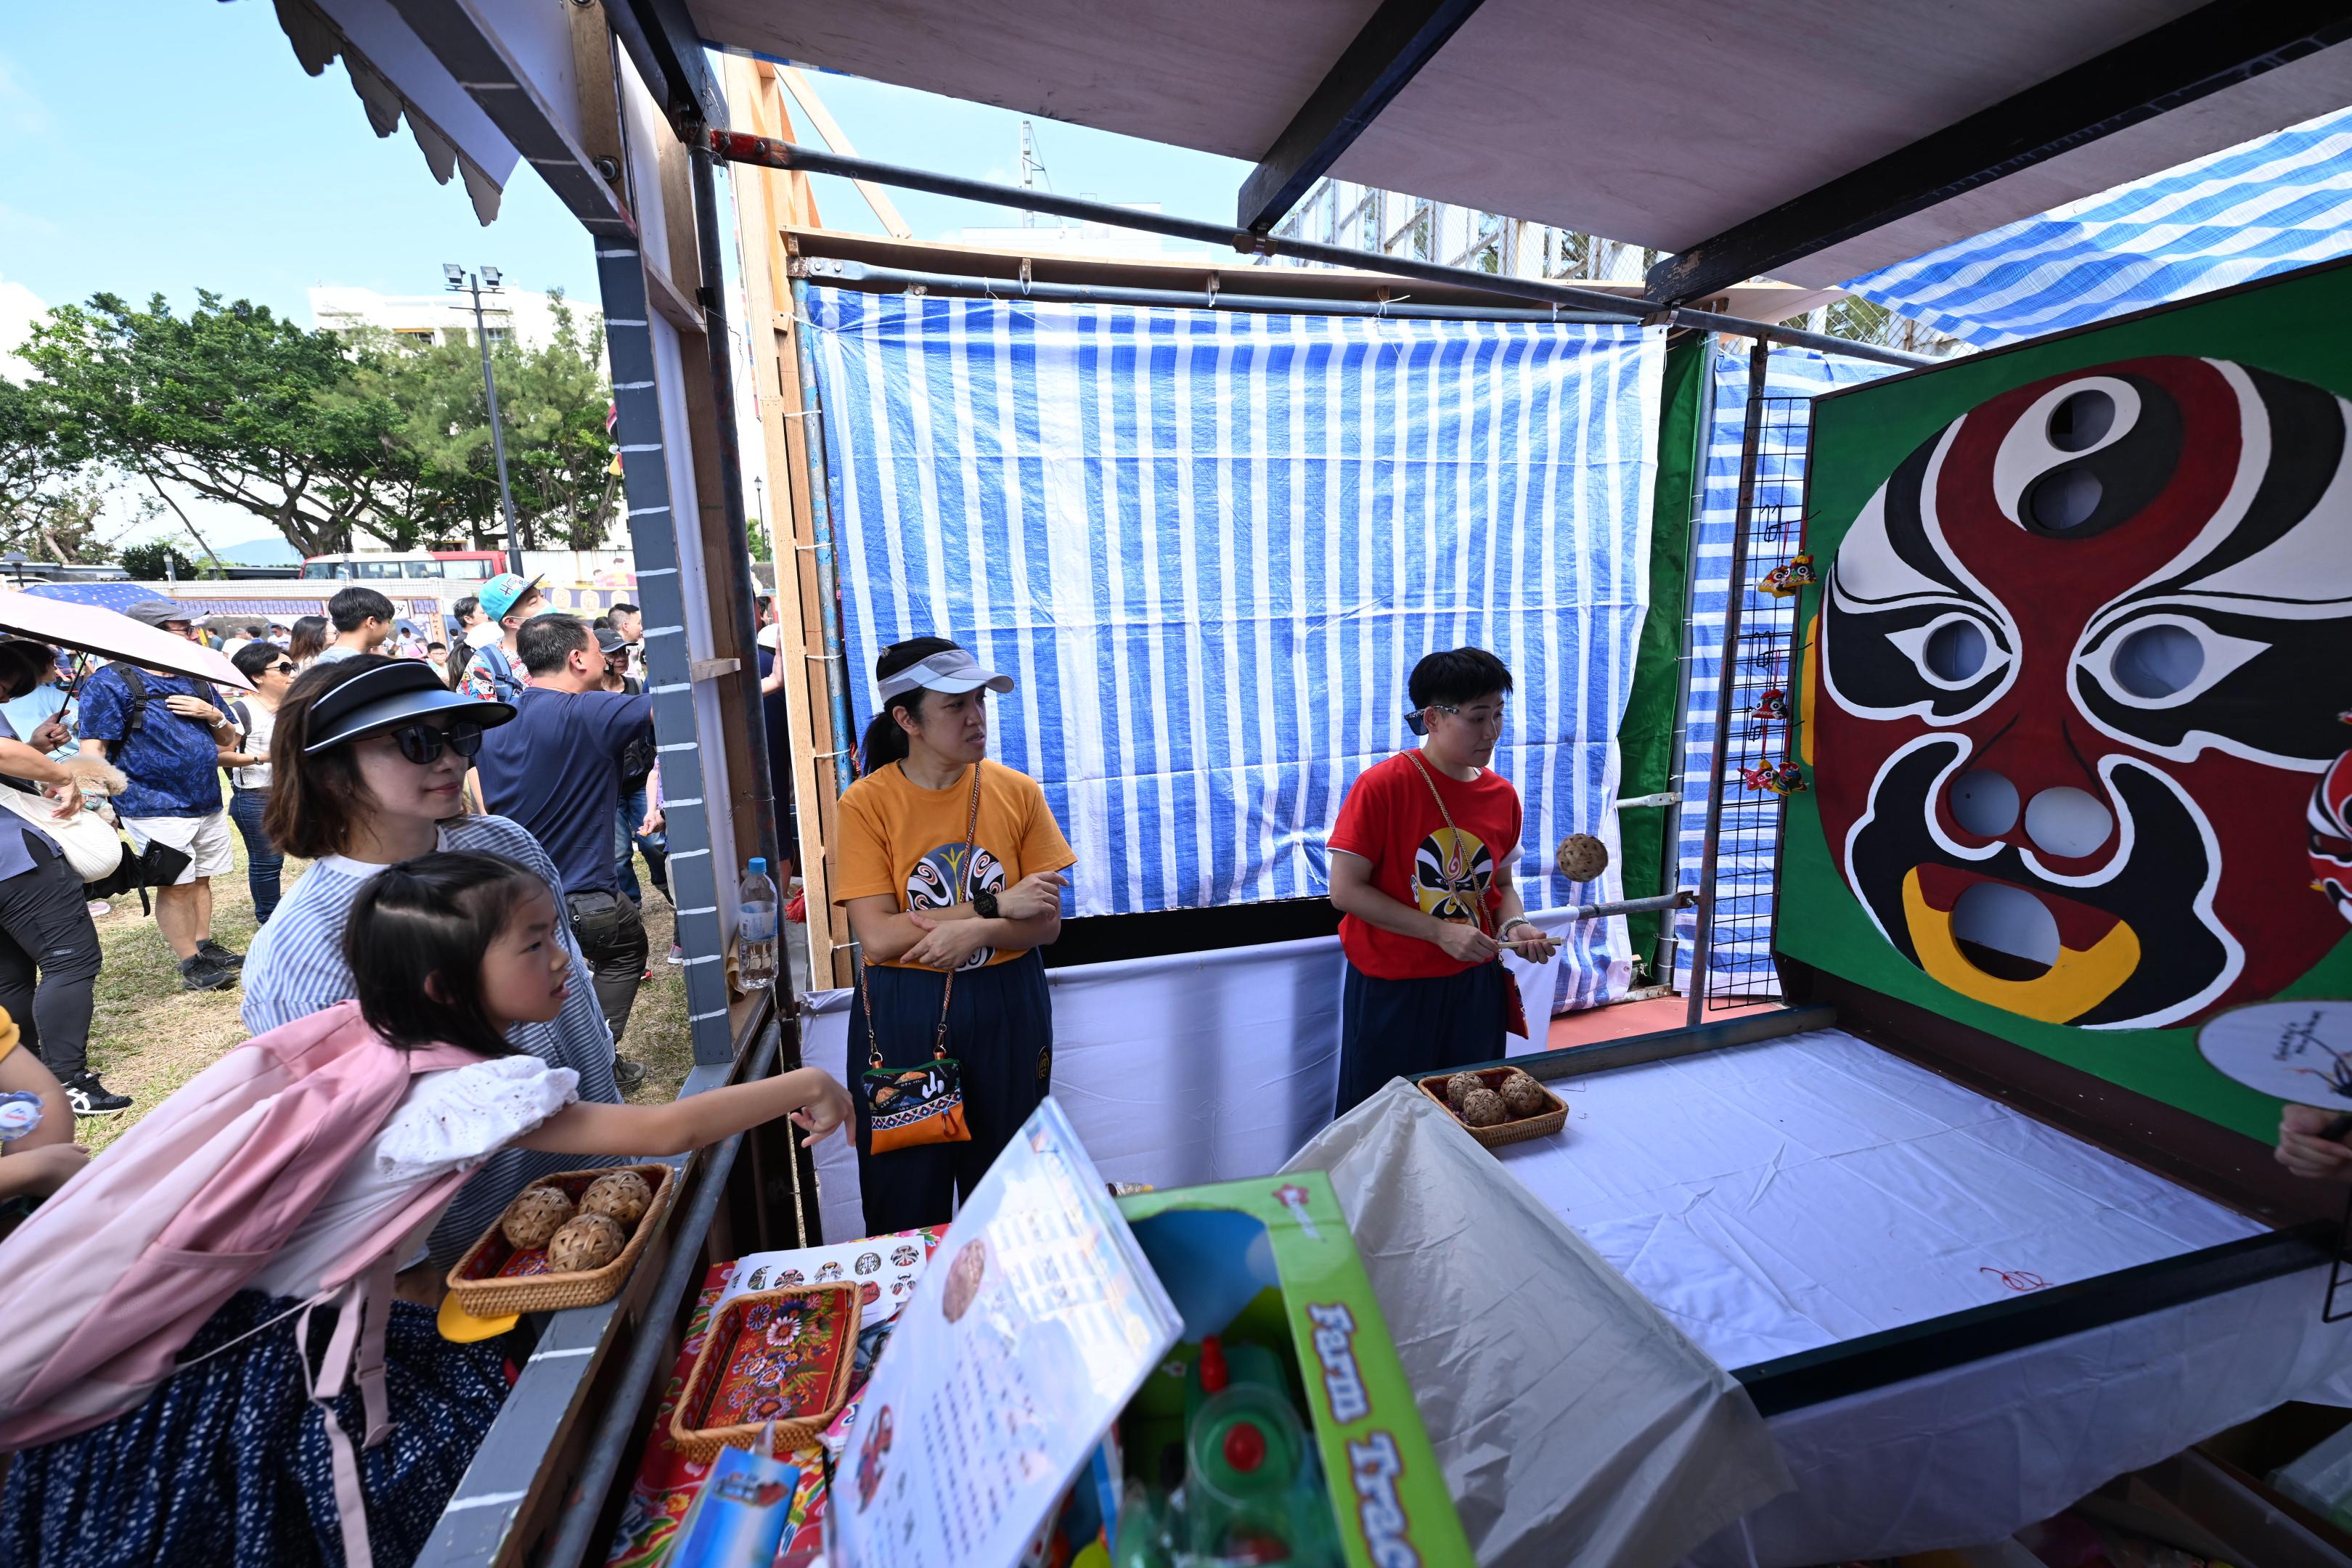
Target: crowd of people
464, 935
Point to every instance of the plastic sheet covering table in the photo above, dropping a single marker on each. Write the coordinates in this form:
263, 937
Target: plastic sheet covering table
1797, 1193
1573, 1423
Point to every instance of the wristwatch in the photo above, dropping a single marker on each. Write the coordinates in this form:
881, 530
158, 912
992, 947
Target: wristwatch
985, 901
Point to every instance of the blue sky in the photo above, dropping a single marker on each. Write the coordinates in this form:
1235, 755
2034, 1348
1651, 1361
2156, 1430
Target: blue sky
201, 156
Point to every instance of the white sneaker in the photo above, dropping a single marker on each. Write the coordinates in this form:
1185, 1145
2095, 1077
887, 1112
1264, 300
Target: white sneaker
677, 955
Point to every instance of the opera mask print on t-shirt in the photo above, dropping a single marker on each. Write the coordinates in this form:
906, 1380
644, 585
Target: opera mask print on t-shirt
932, 884
1451, 873
2080, 663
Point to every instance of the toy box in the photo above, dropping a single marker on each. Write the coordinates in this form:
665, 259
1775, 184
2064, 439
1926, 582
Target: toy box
1266, 1272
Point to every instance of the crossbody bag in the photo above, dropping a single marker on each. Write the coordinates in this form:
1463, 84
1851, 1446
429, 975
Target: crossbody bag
909, 1107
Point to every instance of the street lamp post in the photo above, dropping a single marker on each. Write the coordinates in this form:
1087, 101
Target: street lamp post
461, 282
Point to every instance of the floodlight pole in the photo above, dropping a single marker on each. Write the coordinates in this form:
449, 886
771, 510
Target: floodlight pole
472, 284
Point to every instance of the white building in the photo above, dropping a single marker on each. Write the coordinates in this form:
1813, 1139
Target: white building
1361, 218
446, 318
1056, 237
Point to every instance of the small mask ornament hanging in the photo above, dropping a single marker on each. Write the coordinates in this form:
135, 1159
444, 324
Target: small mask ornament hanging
2081, 661
1788, 577
1787, 779
1772, 704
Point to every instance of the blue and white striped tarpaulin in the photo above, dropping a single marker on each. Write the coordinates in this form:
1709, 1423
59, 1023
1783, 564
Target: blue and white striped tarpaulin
1210, 545
1742, 937
2267, 205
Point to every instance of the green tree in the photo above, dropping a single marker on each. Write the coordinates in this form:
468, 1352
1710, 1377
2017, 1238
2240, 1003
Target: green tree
146, 562
552, 401
234, 403
51, 497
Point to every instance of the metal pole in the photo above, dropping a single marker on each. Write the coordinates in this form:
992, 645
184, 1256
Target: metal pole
498, 435
858, 274
1670, 847
753, 715
768, 153
1735, 601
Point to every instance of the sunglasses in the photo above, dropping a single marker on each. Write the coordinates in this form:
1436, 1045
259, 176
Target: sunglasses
283, 666
422, 744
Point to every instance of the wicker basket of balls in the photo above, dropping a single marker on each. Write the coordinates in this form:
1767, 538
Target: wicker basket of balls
1498, 1105
567, 1240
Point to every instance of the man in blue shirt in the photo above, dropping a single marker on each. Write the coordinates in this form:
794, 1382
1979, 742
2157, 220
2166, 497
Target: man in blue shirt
556, 769
166, 733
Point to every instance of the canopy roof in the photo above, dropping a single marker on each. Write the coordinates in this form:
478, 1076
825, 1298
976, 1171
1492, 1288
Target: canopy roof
1651, 124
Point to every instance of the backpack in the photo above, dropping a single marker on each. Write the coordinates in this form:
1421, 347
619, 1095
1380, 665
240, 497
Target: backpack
639, 757
244, 718
112, 1277
503, 680
135, 718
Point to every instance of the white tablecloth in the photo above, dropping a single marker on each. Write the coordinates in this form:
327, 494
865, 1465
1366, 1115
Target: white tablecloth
1796, 1193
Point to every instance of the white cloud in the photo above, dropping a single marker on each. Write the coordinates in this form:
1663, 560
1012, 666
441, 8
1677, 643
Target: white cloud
19, 308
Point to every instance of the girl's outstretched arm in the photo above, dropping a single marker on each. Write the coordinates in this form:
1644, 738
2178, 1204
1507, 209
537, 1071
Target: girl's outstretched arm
809, 1096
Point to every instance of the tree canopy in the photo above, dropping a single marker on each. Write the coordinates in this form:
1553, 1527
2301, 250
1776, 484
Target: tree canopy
325, 436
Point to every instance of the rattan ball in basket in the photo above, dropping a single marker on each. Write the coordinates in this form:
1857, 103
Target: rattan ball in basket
797, 1430
1519, 1129
483, 1292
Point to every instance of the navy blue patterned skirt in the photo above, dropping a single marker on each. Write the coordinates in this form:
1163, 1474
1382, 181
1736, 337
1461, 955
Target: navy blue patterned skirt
227, 1462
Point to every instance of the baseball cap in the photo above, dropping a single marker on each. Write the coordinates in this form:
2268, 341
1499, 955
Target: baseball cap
395, 692
159, 613
950, 671
502, 593
610, 642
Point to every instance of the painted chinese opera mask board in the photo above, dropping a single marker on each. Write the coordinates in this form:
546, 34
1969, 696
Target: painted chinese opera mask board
2081, 662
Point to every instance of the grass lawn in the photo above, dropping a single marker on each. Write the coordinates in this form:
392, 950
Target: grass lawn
148, 1036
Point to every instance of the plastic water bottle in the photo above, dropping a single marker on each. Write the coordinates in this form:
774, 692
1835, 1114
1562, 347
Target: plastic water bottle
755, 931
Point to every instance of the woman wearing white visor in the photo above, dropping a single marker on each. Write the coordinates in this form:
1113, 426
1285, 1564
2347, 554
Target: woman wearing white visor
949, 867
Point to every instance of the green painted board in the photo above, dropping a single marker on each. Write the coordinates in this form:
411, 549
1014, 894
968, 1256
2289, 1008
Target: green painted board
2221, 505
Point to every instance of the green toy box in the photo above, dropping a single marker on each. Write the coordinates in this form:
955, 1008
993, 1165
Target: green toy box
1267, 1270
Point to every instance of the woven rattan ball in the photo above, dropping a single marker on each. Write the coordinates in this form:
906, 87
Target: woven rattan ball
1459, 1085
1523, 1096
1580, 858
536, 1214
1484, 1107
590, 1241
624, 1195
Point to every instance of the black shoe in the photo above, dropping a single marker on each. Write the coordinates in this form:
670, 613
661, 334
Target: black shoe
626, 1074
200, 974
90, 1097
229, 961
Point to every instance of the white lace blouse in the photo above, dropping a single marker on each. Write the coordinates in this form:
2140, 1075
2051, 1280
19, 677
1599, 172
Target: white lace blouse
449, 1121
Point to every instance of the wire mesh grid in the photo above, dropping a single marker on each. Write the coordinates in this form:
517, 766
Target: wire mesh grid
1758, 767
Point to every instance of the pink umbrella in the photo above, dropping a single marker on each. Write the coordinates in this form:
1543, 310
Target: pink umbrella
88, 629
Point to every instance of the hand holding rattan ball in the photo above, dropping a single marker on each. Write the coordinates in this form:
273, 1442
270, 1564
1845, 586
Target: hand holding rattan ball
1580, 858
1460, 1085
623, 1196
1523, 1096
537, 1213
590, 1241
1484, 1107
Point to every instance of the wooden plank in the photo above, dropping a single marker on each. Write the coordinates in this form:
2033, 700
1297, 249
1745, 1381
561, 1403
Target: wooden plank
679, 247
765, 202
822, 124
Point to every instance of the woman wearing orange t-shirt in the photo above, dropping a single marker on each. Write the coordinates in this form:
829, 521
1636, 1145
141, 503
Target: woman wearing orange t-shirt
949, 867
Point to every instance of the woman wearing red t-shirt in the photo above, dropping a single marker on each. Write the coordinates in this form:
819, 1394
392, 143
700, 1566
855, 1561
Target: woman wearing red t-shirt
1422, 882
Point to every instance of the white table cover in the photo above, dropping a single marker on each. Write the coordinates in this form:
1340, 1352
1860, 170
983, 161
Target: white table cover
1795, 1193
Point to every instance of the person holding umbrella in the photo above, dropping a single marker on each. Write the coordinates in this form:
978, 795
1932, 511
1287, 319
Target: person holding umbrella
166, 732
